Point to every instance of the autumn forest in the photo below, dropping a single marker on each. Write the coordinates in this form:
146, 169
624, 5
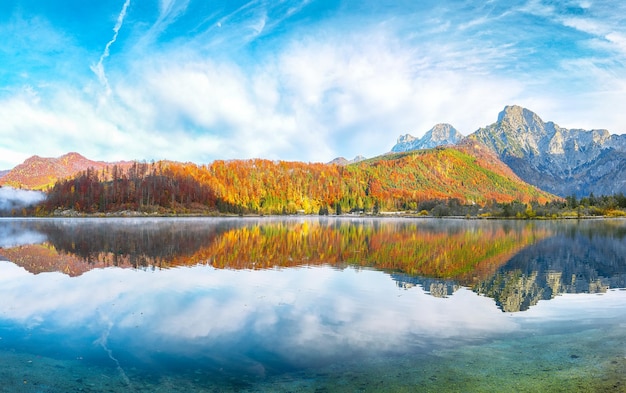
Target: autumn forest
393, 182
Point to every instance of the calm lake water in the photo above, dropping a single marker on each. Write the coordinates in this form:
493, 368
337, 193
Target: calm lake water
312, 305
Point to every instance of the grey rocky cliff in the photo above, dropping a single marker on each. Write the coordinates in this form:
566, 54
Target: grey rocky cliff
558, 160
439, 135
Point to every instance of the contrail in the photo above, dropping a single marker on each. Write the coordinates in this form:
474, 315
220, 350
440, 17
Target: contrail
98, 68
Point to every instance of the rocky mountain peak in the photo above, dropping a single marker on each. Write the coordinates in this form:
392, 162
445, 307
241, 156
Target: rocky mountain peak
406, 138
343, 161
522, 120
559, 160
440, 134
72, 156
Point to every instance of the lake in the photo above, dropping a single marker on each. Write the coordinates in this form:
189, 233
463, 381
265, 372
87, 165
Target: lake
308, 304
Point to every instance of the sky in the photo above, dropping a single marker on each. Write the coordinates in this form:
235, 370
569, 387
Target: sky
306, 80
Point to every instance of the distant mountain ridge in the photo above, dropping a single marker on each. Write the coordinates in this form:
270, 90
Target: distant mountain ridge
558, 160
343, 161
440, 135
39, 173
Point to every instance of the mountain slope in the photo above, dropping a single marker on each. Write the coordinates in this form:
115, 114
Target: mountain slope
559, 160
439, 135
470, 173
40, 173
398, 181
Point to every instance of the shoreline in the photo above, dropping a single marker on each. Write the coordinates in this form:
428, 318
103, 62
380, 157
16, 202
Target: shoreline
381, 215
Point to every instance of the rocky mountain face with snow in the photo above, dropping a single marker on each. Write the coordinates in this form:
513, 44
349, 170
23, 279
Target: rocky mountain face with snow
558, 160
439, 135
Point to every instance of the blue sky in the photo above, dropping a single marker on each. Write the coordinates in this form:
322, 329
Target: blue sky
309, 80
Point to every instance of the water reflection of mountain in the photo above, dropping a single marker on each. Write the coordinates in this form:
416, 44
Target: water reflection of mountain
435, 287
588, 259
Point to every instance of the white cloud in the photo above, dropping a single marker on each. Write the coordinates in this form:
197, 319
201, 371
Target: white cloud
607, 38
584, 24
328, 90
619, 40
169, 12
538, 7
65, 121
11, 157
603, 22
237, 113
311, 101
258, 26
373, 86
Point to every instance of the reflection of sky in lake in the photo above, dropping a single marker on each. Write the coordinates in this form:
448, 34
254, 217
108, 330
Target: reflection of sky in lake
296, 316
525, 304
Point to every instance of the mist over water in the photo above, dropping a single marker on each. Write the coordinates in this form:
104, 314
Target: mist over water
11, 198
10, 237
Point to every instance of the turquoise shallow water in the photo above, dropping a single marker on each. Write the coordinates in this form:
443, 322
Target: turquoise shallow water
318, 328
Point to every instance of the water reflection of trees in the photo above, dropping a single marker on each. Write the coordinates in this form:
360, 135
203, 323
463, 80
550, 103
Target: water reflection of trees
459, 250
515, 263
149, 244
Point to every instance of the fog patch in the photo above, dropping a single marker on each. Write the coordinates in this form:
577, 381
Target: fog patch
11, 198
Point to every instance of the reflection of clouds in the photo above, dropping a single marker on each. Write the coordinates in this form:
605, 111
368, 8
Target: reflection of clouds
293, 312
301, 315
569, 307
